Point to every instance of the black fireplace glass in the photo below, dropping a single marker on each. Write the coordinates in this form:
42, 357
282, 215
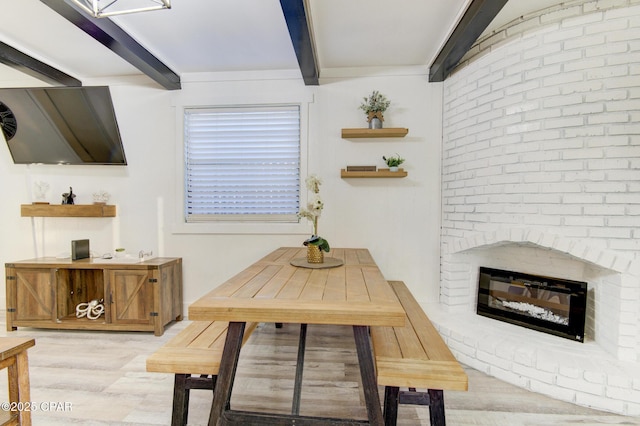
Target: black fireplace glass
552, 305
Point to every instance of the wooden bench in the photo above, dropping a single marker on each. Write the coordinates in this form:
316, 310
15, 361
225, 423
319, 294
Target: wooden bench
13, 357
196, 350
414, 356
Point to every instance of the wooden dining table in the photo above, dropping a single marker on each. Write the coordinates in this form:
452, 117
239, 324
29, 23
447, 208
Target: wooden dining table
273, 290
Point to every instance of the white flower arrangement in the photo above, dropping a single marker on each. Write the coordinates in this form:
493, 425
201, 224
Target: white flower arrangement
314, 211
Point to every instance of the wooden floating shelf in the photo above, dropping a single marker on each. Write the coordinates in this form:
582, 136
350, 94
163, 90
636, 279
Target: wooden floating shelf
67, 210
391, 132
380, 173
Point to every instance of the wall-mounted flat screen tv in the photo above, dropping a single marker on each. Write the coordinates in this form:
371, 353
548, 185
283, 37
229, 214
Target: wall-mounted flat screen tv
61, 125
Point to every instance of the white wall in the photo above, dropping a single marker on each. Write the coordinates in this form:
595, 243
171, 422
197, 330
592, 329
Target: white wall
397, 219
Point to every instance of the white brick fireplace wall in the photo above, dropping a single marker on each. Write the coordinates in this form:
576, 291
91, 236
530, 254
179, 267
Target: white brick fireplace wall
541, 174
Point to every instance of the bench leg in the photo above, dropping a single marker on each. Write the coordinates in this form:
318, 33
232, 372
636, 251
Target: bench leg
180, 400
227, 371
391, 394
436, 407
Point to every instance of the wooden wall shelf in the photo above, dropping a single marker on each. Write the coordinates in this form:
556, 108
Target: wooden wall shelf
380, 173
67, 210
391, 132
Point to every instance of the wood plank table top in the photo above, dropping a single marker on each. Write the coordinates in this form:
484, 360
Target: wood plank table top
273, 290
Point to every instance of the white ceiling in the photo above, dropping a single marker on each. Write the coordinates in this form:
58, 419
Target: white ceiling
201, 36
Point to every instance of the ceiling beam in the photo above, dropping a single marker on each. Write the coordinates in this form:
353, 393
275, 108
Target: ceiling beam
475, 20
33, 67
302, 39
121, 43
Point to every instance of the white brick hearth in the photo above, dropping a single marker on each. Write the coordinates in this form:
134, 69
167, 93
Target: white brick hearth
541, 175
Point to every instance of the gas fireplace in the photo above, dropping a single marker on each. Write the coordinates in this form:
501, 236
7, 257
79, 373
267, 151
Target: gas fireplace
550, 305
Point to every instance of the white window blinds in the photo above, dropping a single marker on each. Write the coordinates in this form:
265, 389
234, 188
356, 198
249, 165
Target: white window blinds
242, 163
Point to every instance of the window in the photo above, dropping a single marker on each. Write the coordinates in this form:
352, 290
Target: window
242, 163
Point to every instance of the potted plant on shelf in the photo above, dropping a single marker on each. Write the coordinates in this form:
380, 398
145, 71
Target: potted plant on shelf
316, 245
375, 106
393, 162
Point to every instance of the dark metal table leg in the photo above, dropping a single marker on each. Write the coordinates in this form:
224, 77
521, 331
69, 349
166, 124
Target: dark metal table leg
367, 371
297, 389
227, 371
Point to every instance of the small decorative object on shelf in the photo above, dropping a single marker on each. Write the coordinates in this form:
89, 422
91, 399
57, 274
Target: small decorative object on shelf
316, 244
393, 162
101, 197
40, 190
375, 106
91, 310
361, 168
67, 197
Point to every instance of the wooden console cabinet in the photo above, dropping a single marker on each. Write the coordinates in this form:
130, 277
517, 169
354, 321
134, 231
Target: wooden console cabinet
141, 296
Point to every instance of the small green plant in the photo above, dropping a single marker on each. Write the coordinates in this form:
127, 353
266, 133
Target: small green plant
376, 102
318, 241
393, 161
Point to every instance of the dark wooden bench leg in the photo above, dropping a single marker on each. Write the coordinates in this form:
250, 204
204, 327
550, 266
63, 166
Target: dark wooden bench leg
227, 371
180, 400
436, 407
391, 405
182, 385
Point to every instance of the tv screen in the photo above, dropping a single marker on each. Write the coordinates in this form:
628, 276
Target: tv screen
61, 125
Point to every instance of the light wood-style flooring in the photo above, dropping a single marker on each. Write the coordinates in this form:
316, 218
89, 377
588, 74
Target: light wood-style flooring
102, 376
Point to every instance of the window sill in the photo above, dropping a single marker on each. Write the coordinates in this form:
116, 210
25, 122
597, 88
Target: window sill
250, 228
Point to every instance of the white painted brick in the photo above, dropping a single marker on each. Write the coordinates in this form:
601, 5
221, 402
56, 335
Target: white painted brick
609, 95
563, 34
559, 14
540, 114
553, 391
605, 50
623, 394
580, 20
597, 377
607, 118
563, 78
606, 210
564, 122
584, 131
577, 44
509, 376
606, 26
633, 409
583, 109
588, 153
534, 373
581, 385
599, 403
582, 176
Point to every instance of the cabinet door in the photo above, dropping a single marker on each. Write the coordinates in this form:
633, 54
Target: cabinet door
131, 296
34, 294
